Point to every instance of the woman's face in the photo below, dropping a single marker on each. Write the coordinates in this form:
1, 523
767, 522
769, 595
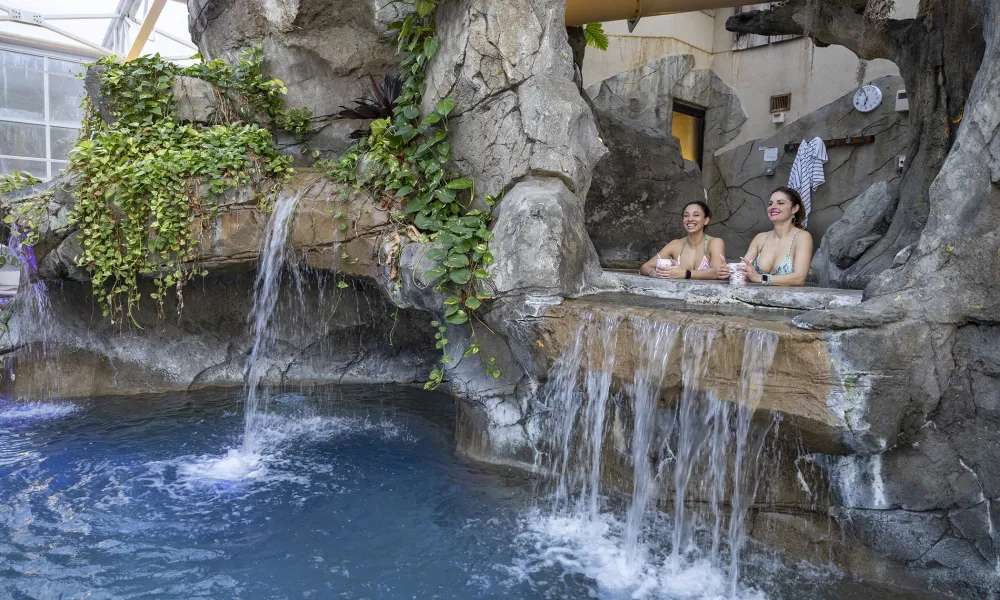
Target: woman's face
780, 208
694, 218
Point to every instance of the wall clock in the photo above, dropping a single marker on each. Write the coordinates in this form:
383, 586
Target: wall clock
867, 98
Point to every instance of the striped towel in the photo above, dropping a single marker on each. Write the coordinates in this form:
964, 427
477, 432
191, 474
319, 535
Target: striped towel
807, 171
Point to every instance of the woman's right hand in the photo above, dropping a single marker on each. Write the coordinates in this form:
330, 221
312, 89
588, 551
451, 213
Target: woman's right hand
751, 273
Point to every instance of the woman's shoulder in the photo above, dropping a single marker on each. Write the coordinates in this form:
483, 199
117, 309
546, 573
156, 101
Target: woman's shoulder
803, 236
673, 245
716, 242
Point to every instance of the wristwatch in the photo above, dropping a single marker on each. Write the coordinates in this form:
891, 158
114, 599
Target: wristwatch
687, 274
765, 279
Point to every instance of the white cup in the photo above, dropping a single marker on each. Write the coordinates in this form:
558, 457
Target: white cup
736, 277
664, 263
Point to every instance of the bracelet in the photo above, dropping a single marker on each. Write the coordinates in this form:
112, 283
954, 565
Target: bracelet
687, 274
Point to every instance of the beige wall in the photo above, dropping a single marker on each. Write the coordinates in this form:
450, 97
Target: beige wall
813, 76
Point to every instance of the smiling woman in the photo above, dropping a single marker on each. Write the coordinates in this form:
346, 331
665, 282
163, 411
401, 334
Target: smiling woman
696, 256
781, 256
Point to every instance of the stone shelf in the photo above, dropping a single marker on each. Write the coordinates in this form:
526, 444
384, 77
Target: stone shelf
718, 292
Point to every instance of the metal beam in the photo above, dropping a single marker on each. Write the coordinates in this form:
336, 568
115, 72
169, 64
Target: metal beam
147, 27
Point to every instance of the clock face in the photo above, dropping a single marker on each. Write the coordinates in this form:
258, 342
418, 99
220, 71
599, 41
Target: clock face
867, 98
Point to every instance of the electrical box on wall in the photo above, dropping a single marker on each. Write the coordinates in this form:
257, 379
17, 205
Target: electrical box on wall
902, 101
778, 117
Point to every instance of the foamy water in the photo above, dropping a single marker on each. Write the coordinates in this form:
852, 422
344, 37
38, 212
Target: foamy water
35, 411
596, 548
269, 464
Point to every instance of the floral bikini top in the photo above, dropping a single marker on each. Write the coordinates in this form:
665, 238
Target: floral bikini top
704, 254
785, 267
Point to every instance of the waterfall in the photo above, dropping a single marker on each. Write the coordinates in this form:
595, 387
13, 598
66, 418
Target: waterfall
578, 435
655, 343
31, 318
758, 352
266, 288
703, 451
695, 413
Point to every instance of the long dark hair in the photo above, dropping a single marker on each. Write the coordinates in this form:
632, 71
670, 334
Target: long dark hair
800, 209
704, 207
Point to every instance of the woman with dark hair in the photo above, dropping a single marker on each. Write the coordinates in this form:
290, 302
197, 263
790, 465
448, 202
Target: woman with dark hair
696, 256
781, 256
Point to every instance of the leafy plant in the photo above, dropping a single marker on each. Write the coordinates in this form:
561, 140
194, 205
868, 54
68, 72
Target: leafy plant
403, 160
17, 180
143, 178
594, 32
23, 216
379, 105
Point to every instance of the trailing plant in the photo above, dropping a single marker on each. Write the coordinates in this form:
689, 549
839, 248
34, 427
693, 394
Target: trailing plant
143, 177
16, 181
403, 162
23, 216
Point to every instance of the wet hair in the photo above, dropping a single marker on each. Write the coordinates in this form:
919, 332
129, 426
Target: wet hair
800, 209
704, 207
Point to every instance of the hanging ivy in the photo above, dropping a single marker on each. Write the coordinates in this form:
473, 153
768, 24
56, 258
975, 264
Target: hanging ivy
404, 162
141, 177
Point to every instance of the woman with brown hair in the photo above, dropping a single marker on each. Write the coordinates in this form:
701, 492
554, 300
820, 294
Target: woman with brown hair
781, 256
696, 256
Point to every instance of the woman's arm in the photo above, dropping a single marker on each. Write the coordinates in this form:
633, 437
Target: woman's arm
717, 261
802, 251
649, 268
747, 265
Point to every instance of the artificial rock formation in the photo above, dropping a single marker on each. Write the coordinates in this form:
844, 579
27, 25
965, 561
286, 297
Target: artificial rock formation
642, 185
897, 400
937, 265
738, 186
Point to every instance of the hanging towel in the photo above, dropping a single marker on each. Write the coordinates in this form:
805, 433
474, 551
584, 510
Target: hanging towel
807, 172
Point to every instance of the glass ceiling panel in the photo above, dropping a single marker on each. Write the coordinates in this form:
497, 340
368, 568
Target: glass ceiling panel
96, 27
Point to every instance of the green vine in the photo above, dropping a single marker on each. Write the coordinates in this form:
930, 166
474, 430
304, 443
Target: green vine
142, 177
403, 162
23, 216
16, 181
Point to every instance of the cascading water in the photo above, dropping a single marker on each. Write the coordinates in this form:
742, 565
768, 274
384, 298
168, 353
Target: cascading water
656, 340
30, 311
706, 451
273, 259
758, 353
568, 422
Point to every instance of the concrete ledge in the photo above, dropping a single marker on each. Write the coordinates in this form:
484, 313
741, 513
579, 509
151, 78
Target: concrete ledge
711, 292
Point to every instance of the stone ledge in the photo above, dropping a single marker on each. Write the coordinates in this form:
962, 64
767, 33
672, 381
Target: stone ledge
712, 292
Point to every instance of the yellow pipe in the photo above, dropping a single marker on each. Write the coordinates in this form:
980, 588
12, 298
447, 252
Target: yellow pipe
147, 27
581, 12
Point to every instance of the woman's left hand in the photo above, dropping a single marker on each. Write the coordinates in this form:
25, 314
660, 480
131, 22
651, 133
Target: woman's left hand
723, 272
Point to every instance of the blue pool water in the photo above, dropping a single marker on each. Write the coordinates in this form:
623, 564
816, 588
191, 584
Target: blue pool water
357, 493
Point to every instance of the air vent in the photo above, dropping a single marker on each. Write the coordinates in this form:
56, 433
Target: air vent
781, 103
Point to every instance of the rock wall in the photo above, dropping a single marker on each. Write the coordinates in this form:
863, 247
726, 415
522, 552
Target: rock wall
642, 186
323, 51
738, 187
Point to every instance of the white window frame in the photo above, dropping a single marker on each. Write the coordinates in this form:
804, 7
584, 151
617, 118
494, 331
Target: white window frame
47, 123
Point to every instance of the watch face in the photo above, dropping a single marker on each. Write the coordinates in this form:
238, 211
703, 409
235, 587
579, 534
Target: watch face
867, 98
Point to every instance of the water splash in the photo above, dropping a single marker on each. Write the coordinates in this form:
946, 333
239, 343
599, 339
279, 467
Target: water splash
273, 260
704, 452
